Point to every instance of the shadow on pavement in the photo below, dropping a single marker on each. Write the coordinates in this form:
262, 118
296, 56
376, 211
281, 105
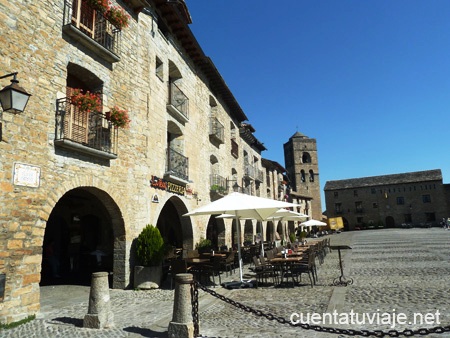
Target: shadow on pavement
146, 332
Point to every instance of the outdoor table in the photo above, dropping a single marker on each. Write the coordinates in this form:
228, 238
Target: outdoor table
341, 280
197, 261
293, 254
209, 255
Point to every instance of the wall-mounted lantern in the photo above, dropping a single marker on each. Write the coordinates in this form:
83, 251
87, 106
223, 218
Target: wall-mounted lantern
13, 98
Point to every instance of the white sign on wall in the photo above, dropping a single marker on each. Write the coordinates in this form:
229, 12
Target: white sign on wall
27, 175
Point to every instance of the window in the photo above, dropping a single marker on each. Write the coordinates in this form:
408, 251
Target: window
159, 69
373, 191
92, 29
426, 198
306, 158
400, 200
355, 193
311, 176
336, 194
338, 208
358, 206
302, 176
375, 205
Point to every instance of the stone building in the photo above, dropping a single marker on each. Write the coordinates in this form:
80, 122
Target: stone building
302, 165
77, 189
398, 200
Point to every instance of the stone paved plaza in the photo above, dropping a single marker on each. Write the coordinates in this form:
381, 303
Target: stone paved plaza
402, 271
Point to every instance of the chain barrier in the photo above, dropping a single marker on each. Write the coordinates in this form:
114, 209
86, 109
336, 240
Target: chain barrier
194, 302
318, 328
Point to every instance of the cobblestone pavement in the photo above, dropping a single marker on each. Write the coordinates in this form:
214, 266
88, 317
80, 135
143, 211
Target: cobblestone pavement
397, 271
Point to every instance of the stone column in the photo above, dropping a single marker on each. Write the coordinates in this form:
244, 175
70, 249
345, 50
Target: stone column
182, 325
99, 314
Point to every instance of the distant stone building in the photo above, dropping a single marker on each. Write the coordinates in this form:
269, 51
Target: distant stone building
407, 199
302, 165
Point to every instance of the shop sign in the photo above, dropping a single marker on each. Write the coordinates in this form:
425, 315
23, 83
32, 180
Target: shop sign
160, 183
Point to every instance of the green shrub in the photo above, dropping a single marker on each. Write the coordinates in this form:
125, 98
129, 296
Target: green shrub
204, 245
292, 237
150, 247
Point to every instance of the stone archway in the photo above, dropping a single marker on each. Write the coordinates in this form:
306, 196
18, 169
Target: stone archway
270, 232
175, 229
390, 222
85, 233
248, 232
215, 232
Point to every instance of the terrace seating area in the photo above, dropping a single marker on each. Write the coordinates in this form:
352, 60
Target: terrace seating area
292, 265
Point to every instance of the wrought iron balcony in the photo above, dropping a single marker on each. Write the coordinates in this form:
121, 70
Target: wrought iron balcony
253, 172
218, 184
216, 130
234, 148
178, 104
86, 132
177, 166
91, 29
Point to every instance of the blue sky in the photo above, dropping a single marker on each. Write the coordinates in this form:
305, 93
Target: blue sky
368, 79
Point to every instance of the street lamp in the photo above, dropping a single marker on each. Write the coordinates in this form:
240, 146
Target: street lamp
13, 98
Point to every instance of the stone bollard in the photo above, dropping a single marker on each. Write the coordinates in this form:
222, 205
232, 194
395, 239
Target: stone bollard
99, 315
182, 325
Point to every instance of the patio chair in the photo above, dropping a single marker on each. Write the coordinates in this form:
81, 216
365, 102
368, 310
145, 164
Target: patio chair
228, 263
298, 269
270, 254
211, 269
177, 266
263, 271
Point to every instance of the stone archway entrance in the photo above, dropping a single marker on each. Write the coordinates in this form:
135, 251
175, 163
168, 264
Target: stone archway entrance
175, 229
215, 232
83, 234
390, 222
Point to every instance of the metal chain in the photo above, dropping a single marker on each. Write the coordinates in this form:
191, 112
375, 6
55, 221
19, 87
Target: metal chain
194, 302
349, 332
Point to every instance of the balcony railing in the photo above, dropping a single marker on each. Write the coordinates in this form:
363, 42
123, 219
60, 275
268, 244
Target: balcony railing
218, 184
253, 172
234, 148
216, 130
91, 29
177, 165
178, 103
87, 132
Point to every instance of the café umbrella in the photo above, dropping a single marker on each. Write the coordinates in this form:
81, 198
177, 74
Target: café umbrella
241, 206
312, 223
279, 215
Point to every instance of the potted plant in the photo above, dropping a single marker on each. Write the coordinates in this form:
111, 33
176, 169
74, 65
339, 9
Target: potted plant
118, 117
217, 189
203, 246
150, 251
86, 101
117, 17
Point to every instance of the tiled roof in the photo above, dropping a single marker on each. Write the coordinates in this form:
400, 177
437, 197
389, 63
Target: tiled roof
413, 177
